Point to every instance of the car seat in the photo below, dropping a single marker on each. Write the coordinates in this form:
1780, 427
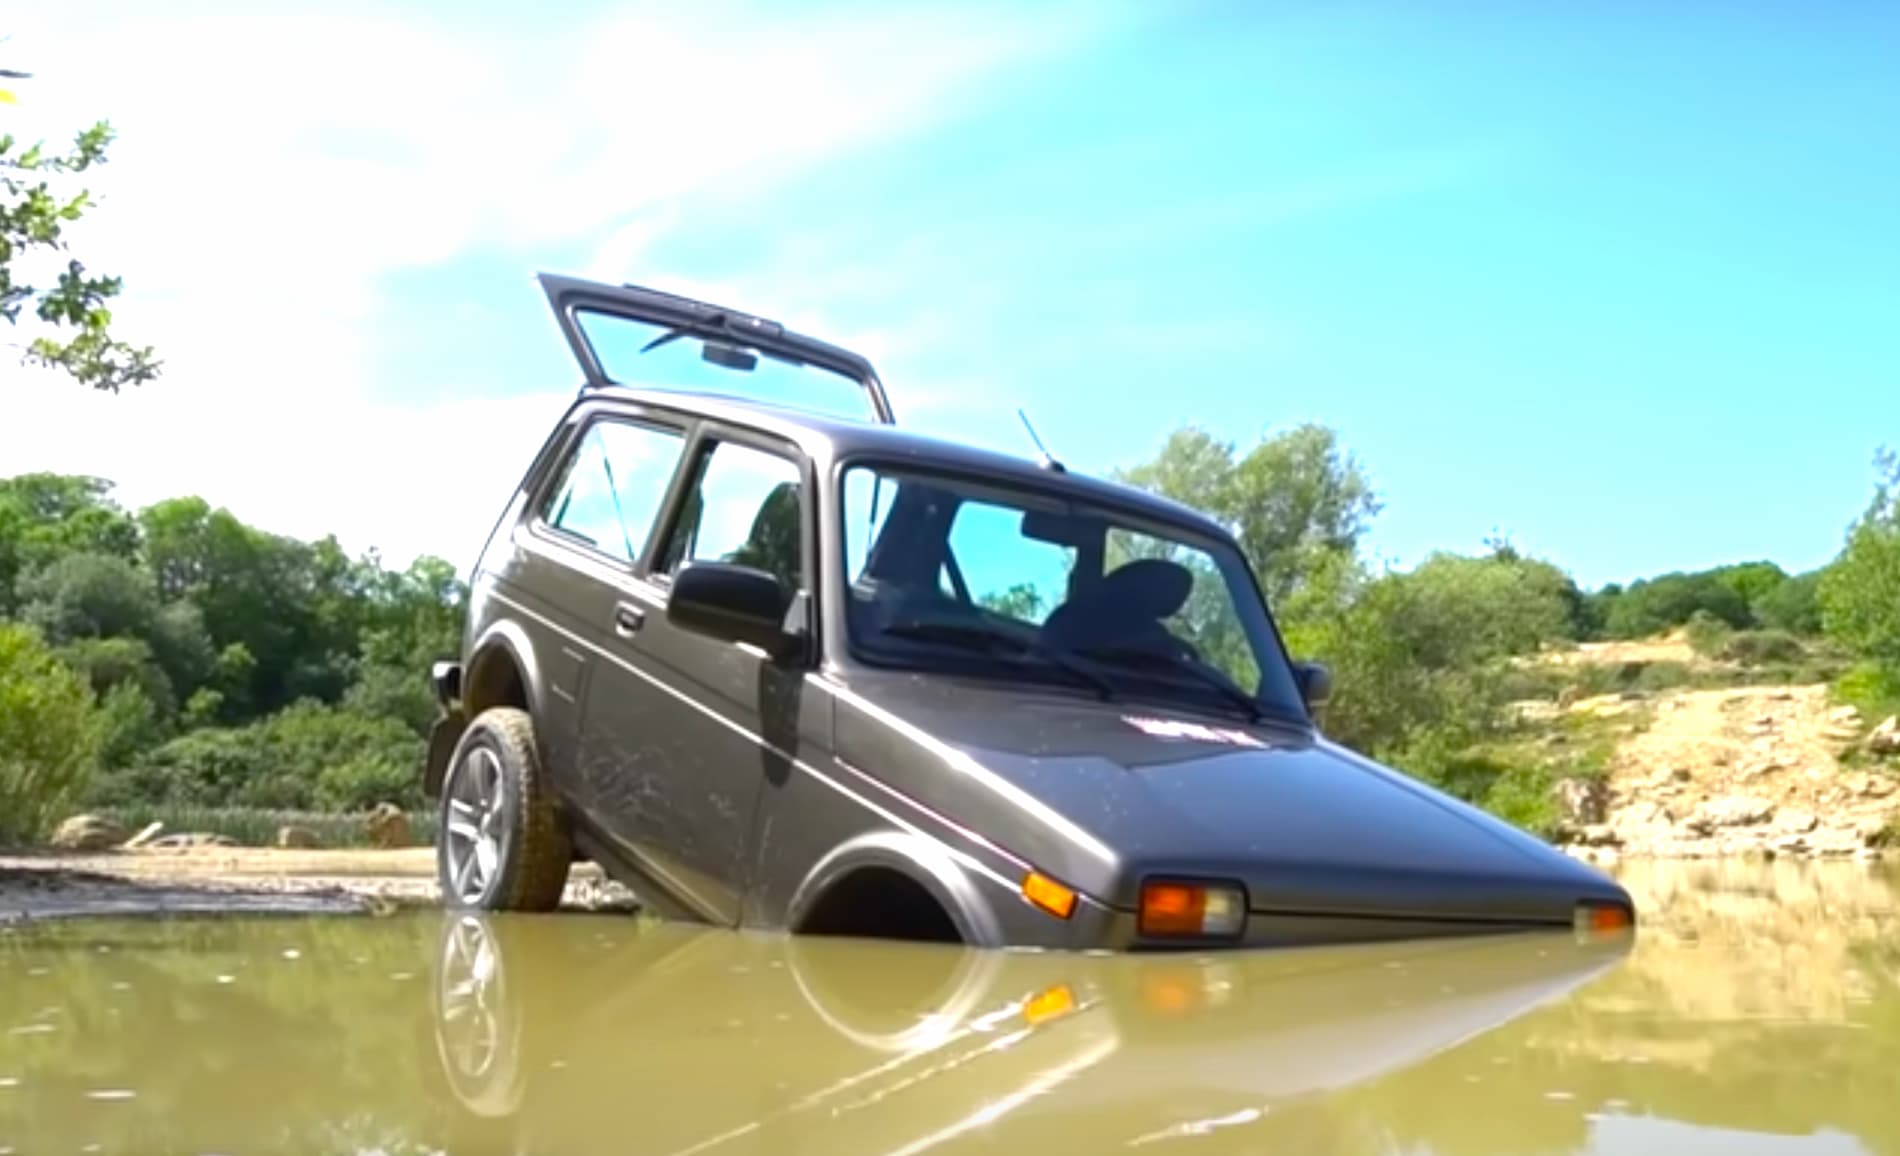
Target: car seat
1124, 610
772, 545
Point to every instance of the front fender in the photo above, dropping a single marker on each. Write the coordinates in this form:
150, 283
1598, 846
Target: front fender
922, 860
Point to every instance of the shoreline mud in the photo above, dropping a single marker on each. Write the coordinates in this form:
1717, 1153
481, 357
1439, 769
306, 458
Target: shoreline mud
40, 885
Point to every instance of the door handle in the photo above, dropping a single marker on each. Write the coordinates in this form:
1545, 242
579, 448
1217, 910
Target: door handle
628, 619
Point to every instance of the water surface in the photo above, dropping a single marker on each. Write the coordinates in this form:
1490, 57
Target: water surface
1758, 1010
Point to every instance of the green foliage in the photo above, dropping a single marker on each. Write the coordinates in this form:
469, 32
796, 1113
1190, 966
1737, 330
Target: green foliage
37, 204
1021, 601
220, 665
1707, 634
1652, 605
47, 735
1761, 647
1860, 592
1793, 606
308, 756
1293, 500
1872, 689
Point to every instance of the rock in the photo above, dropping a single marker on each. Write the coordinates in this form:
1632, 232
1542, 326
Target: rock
1868, 786
1582, 801
1733, 811
88, 833
146, 835
1845, 714
1756, 768
1796, 822
1874, 831
1599, 835
1885, 738
388, 827
192, 839
296, 837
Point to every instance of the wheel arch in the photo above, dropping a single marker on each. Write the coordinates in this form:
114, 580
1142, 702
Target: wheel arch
501, 671
918, 860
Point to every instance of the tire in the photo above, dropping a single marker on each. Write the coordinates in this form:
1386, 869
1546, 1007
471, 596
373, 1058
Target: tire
502, 843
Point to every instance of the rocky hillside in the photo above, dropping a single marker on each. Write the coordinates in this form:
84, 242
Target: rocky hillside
1754, 770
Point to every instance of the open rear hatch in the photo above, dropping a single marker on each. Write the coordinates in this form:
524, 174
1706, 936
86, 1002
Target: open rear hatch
634, 336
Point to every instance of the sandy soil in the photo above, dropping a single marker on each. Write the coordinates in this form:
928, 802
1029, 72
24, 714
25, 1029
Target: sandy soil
247, 880
1743, 770
1673, 647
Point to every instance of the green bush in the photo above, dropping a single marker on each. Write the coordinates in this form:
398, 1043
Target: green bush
1659, 676
1761, 647
1872, 689
305, 757
1707, 634
361, 782
47, 734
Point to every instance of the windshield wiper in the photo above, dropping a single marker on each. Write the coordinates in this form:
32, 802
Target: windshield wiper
716, 324
1142, 656
976, 636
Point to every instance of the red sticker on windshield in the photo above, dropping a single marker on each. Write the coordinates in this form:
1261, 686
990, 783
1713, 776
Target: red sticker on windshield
1170, 728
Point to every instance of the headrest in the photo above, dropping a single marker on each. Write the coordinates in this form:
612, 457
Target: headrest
1147, 588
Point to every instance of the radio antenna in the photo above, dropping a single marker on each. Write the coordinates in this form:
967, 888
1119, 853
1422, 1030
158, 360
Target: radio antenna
1049, 461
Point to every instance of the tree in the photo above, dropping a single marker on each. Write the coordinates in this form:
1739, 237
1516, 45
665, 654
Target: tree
34, 215
47, 734
1860, 592
1292, 499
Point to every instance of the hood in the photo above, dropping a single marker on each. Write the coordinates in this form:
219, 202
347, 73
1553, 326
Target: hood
1310, 827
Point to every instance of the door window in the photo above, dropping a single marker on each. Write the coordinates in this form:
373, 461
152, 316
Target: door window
612, 486
745, 510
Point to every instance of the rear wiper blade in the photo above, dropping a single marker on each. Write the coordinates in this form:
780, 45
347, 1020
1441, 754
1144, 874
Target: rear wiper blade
717, 324
1128, 656
978, 637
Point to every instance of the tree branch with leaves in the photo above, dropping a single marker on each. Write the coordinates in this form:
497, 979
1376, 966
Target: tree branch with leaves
33, 219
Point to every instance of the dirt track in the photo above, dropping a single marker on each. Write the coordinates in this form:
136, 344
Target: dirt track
241, 880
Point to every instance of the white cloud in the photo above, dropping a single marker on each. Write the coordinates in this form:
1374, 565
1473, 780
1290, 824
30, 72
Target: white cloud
275, 166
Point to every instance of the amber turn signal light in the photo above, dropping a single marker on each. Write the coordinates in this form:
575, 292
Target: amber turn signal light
1178, 909
1049, 895
1602, 919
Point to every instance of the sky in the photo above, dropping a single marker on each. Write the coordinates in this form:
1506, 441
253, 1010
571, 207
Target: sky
1621, 281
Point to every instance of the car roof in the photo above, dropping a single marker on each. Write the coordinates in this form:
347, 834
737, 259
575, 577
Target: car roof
830, 437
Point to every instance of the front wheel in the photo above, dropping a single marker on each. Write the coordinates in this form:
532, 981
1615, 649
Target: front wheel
502, 844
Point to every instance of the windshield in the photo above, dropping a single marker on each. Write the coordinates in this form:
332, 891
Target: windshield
951, 573
628, 355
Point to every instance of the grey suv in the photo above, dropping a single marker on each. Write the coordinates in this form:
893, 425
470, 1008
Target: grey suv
775, 662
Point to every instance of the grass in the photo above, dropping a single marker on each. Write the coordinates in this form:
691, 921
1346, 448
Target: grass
258, 828
1771, 664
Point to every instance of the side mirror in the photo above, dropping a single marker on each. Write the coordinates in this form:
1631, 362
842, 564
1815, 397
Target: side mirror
736, 603
1315, 681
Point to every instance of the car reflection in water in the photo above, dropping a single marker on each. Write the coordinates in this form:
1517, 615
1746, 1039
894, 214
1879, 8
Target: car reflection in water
571, 1035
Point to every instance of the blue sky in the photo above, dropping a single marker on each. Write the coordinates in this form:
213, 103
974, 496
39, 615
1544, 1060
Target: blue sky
1620, 280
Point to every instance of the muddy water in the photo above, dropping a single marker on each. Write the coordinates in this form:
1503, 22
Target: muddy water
1757, 1011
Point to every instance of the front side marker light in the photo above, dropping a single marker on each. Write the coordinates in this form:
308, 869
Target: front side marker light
1594, 919
1197, 910
1048, 895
